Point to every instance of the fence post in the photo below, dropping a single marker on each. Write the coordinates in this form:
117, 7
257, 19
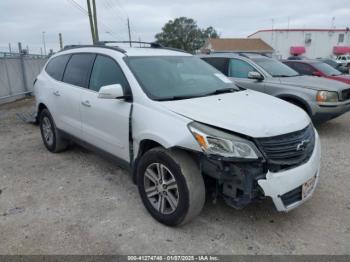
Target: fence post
21, 55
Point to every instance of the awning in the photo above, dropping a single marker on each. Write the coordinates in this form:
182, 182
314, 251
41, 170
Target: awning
297, 50
340, 50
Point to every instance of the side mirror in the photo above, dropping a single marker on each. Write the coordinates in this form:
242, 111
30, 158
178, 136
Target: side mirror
114, 91
255, 75
316, 73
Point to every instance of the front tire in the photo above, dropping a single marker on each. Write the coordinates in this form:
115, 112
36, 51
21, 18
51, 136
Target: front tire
171, 185
52, 138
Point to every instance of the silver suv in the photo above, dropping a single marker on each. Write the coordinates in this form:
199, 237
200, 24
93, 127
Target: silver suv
322, 99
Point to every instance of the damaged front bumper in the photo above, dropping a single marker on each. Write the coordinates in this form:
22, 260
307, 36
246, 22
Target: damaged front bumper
241, 183
278, 185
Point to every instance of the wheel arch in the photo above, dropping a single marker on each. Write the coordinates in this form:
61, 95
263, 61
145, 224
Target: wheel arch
297, 101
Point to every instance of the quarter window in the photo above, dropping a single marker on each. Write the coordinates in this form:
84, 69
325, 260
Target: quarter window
240, 68
78, 69
106, 72
56, 66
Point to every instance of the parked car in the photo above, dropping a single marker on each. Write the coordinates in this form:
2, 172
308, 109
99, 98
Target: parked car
322, 99
317, 68
175, 122
343, 59
340, 67
297, 57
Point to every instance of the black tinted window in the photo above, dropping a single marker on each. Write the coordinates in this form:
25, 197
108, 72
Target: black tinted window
106, 72
302, 68
78, 69
219, 63
55, 67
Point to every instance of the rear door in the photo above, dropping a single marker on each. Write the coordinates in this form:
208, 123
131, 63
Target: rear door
75, 79
239, 70
105, 122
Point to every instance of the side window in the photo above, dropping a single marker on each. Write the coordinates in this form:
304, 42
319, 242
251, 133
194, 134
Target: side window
240, 68
55, 68
219, 63
303, 69
106, 72
78, 69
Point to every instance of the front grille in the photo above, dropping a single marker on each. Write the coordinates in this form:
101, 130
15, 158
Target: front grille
345, 94
289, 150
292, 196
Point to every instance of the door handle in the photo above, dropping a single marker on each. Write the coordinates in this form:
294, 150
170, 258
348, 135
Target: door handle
86, 103
56, 93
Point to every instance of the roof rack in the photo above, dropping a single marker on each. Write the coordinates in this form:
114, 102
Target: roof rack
116, 48
103, 44
246, 54
151, 45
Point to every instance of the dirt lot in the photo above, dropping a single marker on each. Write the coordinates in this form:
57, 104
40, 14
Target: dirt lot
78, 203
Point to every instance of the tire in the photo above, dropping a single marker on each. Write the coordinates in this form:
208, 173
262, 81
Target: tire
52, 139
189, 190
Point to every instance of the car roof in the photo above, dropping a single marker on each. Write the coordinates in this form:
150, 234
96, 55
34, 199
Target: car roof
125, 51
234, 55
307, 61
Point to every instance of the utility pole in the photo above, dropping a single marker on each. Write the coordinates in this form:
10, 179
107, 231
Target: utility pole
10, 49
91, 22
60, 39
44, 42
129, 32
95, 20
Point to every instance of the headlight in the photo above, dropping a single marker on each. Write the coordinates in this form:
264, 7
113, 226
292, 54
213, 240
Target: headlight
327, 96
216, 142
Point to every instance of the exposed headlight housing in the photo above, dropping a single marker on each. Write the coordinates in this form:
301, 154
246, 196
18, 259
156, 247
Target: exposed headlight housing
216, 142
327, 96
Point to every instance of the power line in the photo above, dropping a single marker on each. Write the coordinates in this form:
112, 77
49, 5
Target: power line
85, 12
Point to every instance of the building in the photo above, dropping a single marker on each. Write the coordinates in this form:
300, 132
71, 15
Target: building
236, 45
312, 43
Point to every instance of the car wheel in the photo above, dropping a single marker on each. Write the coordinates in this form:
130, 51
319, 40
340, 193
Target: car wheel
171, 185
51, 137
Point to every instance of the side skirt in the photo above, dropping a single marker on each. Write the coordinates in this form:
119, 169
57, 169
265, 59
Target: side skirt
118, 161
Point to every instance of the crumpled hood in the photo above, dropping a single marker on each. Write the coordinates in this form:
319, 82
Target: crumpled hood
313, 82
246, 112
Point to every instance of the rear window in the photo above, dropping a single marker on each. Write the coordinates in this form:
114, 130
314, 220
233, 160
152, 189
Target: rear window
78, 69
55, 68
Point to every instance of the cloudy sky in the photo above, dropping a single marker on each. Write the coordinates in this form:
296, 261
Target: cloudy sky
25, 20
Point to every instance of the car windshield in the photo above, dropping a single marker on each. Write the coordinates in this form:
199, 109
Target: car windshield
275, 68
326, 69
178, 77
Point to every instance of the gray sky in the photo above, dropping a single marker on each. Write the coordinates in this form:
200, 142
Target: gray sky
25, 20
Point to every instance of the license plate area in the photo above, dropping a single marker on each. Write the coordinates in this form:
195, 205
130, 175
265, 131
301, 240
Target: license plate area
307, 187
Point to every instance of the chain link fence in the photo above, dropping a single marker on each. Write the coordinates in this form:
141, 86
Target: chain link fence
17, 74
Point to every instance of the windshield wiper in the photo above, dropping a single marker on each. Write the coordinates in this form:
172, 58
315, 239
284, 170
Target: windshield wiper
180, 97
285, 75
170, 98
222, 91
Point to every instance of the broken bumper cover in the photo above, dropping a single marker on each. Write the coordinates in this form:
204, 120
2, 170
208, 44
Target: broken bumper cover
275, 185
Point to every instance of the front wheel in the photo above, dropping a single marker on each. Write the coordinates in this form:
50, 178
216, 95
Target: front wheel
170, 185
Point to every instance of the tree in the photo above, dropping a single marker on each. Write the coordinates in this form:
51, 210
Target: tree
183, 33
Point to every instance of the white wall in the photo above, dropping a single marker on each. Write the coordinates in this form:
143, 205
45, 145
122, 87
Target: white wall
321, 45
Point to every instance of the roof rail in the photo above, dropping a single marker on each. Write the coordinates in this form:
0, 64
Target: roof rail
116, 48
151, 45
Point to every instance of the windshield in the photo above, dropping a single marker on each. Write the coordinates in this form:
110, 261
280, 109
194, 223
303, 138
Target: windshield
326, 69
275, 68
178, 77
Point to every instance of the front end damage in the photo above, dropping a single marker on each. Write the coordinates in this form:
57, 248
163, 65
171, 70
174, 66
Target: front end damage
241, 182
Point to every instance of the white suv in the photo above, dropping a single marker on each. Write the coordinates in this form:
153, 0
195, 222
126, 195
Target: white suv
180, 126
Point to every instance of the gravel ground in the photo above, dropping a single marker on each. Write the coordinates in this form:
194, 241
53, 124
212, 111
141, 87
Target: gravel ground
78, 203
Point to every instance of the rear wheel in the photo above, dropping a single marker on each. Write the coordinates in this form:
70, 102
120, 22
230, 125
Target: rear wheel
50, 135
170, 185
